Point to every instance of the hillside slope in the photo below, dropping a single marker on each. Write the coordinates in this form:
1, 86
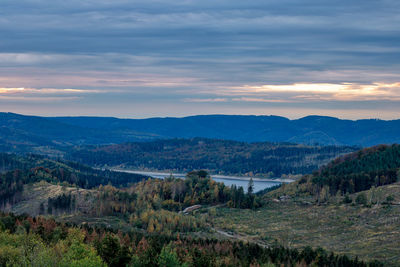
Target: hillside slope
366, 229
22, 132
217, 156
361, 170
369, 231
354, 172
351, 205
17, 171
307, 130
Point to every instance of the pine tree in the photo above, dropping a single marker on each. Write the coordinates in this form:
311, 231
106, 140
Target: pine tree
250, 187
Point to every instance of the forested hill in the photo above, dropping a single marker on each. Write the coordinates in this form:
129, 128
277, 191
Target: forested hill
32, 134
27, 133
217, 156
358, 171
307, 130
16, 171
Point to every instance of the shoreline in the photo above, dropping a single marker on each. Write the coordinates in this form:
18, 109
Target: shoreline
217, 176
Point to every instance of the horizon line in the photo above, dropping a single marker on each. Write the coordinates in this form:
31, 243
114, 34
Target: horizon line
195, 115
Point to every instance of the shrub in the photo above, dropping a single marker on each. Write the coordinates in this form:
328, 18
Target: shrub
389, 199
347, 199
361, 199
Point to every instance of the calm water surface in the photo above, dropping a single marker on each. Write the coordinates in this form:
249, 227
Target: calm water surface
259, 184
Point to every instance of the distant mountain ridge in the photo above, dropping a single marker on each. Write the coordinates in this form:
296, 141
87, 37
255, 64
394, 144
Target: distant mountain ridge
18, 129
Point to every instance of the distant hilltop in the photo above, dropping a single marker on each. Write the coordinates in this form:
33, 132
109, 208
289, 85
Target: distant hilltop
18, 129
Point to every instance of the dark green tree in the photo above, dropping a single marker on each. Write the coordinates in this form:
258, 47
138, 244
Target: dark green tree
250, 187
109, 250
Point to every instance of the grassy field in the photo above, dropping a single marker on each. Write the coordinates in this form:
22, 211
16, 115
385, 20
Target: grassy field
369, 232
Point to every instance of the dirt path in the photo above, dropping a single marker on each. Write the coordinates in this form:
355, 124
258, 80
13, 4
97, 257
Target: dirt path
239, 237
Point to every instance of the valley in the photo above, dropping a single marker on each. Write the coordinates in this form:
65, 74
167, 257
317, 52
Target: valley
160, 133
331, 204
219, 157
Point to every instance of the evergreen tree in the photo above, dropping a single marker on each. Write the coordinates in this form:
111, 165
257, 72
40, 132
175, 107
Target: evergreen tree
168, 258
250, 187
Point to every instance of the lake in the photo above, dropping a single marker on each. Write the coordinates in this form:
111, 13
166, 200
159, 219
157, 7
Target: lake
259, 183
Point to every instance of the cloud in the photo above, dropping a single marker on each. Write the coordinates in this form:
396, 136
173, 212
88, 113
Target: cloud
33, 100
11, 90
26, 91
202, 52
204, 100
327, 91
261, 100
43, 95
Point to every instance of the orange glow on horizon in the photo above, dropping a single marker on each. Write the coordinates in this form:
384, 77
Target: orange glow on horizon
340, 91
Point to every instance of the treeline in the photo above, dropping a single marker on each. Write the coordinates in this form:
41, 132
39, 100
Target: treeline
61, 203
18, 171
359, 171
10, 162
176, 194
68, 171
217, 156
154, 204
26, 241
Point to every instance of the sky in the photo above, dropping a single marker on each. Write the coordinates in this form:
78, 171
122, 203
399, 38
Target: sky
139, 59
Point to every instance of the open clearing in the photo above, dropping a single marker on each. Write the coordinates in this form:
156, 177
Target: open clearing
367, 232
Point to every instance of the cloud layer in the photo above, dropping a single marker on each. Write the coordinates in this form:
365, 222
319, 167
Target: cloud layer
146, 58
